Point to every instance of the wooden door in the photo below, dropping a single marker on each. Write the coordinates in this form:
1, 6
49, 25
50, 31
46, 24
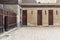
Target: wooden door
24, 17
1, 20
50, 17
39, 17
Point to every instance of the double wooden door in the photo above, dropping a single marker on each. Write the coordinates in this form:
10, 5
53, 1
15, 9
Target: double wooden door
39, 17
50, 17
24, 17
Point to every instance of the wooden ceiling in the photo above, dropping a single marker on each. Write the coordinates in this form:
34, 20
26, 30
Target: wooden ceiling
8, 1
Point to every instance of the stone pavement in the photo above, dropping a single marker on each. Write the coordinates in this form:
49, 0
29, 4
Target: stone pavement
34, 33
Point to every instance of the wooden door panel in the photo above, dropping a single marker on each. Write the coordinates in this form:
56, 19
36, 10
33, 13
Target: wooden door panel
24, 17
1, 11
50, 17
39, 18
1, 20
1, 17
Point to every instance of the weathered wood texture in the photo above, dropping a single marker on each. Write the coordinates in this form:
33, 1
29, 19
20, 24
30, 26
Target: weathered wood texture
8, 18
9, 1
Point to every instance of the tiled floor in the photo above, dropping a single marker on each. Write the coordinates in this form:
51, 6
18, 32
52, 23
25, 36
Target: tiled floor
34, 33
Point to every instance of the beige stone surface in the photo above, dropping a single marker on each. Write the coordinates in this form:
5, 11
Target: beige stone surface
35, 33
32, 19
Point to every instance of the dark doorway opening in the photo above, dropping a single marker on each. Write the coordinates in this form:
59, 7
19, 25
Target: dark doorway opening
6, 23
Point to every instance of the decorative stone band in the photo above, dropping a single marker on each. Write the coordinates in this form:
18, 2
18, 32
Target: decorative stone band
44, 6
